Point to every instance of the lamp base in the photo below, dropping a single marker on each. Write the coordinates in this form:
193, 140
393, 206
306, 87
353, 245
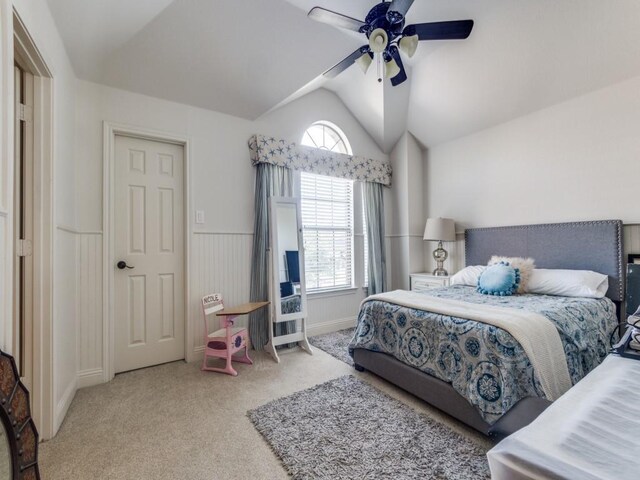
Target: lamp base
440, 272
440, 255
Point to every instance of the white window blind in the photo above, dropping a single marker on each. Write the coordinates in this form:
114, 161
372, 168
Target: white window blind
327, 219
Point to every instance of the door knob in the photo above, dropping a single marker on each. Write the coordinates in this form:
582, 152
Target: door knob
122, 265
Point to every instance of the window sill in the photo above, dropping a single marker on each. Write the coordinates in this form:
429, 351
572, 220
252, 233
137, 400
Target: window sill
337, 292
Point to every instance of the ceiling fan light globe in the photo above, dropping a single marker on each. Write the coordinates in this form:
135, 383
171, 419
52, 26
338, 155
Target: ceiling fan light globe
378, 40
408, 45
391, 69
364, 62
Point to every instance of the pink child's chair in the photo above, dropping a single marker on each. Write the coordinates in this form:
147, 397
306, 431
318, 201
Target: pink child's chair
226, 341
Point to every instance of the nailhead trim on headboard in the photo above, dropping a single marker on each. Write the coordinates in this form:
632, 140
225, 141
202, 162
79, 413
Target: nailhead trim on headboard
619, 236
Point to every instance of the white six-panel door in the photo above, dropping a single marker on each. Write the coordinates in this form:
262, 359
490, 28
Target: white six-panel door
149, 209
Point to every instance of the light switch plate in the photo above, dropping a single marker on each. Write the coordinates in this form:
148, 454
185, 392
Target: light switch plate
200, 216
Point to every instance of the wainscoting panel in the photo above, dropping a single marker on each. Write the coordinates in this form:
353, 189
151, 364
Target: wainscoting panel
337, 309
65, 345
90, 304
220, 263
399, 259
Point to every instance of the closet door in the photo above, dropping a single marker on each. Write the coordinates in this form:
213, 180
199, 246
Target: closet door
149, 252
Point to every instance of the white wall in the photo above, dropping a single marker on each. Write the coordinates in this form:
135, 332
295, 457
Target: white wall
406, 212
577, 160
37, 18
222, 183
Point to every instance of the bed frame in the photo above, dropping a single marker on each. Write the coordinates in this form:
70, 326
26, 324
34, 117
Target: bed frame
595, 245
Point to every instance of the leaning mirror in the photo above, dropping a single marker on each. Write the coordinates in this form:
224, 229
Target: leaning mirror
287, 260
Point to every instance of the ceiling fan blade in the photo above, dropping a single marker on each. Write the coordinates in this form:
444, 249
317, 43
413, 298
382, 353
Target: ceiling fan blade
338, 68
402, 76
323, 15
400, 6
455, 30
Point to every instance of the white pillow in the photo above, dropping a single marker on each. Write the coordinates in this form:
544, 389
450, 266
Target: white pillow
568, 283
468, 275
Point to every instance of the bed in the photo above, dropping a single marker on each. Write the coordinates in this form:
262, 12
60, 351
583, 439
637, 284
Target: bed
463, 358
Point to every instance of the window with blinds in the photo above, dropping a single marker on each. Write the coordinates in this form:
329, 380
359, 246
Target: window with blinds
327, 219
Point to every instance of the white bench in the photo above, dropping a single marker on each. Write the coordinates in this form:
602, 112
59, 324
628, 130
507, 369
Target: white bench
590, 433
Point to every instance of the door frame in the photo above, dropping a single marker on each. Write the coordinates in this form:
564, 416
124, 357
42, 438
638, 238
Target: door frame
111, 130
17, 39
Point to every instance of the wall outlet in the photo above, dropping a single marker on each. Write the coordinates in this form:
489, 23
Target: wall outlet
200, 216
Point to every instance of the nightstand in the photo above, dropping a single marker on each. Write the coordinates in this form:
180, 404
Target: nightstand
424, 281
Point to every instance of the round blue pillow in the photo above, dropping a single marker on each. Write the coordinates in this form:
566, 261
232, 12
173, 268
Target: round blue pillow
499, 279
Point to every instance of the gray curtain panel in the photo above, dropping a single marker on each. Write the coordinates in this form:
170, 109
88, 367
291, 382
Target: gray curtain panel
374, 213
271, 180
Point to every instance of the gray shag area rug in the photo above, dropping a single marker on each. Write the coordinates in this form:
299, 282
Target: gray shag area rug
335, 344
347, 429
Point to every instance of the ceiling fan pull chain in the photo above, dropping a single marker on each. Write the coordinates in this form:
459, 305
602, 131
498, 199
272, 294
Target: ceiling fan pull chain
379, 66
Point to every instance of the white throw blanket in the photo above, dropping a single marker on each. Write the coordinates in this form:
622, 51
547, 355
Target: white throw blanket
537, 335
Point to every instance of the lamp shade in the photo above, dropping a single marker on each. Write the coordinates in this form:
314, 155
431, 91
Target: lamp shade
364, 62
409, 44
440, 230
391, 69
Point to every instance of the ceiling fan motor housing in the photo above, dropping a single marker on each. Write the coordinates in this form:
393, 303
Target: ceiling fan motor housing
377, 19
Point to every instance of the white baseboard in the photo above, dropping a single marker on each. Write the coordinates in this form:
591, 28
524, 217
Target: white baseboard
319, 328
63, 405
89, 378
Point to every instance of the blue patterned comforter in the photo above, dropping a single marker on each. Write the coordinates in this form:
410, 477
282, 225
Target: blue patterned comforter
483, 363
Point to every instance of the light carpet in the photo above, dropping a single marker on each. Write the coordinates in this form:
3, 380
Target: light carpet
335, 344
175, 422
345, 429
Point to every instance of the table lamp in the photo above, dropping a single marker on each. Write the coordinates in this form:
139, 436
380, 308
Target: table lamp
440, 230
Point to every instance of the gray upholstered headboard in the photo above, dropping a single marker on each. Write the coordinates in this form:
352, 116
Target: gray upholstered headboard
595, 246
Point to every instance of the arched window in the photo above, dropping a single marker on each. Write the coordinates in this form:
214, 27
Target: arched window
327, 136
327, 216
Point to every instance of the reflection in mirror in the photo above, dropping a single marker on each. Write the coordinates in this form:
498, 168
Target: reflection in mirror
289, 259
5, 454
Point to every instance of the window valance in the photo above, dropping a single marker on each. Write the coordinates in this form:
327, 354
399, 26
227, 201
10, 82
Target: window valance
286, 154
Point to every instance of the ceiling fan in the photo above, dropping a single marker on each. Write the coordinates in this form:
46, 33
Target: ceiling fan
385, 28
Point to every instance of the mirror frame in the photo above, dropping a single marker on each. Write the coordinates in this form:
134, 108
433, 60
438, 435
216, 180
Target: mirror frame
274, 202
15, 414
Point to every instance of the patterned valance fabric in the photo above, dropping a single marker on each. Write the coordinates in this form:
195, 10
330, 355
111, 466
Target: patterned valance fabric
279, 152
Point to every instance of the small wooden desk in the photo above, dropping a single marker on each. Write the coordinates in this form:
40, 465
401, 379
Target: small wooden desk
224, 343
245, 309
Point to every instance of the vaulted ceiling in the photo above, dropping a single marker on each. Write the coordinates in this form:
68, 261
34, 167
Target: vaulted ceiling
247, 57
